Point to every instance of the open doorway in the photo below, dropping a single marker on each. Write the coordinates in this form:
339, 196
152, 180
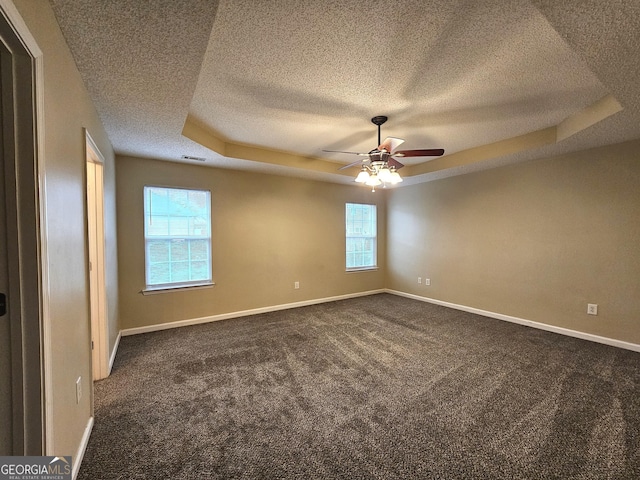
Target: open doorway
97, 289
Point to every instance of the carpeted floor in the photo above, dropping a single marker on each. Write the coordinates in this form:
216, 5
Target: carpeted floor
378, 387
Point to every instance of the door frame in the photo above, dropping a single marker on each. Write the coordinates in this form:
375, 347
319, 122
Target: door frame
96, 264
26, 244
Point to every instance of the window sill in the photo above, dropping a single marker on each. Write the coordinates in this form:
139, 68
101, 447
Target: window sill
166, 289
361, 269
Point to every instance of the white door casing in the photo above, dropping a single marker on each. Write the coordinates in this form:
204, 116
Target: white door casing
23, 271
95, 235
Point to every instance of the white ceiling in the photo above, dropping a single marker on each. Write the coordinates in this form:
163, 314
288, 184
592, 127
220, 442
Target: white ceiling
300, 76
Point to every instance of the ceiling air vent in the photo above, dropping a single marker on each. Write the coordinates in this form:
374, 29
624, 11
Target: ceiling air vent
189, 157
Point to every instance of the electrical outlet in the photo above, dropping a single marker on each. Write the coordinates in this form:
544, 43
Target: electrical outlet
296, 285
419, 279
78, 389
427, 281
592, 309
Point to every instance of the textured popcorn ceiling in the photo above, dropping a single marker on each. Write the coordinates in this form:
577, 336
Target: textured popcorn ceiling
300, 76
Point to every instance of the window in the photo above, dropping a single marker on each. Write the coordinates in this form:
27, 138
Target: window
177, 235
361, 236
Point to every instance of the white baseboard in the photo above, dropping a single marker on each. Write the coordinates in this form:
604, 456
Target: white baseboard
82, 448
499, 316
521, 321
112, 358
243, 313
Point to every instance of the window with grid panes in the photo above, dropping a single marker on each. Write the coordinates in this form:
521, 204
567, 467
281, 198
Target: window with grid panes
177, 235
361, 236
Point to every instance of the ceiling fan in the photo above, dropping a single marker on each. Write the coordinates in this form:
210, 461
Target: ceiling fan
380, 166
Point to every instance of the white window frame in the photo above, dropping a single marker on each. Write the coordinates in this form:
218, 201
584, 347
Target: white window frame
148, 214
370, 235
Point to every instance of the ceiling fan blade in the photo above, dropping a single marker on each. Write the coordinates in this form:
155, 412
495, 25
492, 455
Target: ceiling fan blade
392, 162
390, 144
352, 164
430, 152
350, 153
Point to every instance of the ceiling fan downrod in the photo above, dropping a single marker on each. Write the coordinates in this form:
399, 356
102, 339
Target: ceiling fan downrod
379, 120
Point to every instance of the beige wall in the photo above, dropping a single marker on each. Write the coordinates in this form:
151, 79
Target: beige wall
268, 232
67, 109
537, 240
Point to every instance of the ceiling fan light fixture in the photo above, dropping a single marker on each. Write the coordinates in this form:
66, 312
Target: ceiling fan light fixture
380, 168
373, 181
394, 177
384, 174
363, 176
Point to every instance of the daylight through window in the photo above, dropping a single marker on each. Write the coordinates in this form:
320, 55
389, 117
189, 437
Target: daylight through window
177, 232
361, 236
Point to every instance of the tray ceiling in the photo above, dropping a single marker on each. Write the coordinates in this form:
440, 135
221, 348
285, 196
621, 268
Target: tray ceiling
268, 86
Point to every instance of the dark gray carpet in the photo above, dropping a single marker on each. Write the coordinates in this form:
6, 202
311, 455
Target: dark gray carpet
376, 387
